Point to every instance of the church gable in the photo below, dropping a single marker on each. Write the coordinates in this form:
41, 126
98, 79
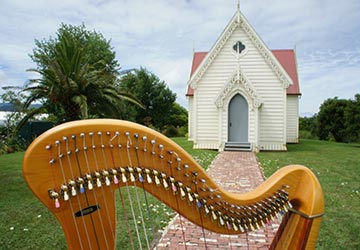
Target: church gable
239, 81
203, 61
286, 57
240, 90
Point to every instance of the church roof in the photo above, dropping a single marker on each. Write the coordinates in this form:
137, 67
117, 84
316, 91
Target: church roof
286, 58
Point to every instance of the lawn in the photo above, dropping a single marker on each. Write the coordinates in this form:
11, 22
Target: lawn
337, 166
26, 223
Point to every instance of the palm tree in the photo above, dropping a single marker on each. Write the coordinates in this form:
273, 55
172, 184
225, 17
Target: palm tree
70, 87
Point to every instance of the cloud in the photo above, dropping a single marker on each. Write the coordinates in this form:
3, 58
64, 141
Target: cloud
161, 35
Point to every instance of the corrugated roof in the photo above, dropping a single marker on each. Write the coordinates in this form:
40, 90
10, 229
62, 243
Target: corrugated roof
286, 58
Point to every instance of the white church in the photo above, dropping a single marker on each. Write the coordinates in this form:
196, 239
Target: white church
242, 95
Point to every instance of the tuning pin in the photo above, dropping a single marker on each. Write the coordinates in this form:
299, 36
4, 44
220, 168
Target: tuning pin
148, 177
198, 203
131, 172
57, 203
64, 191
190, 198
221, 219
182, 191
235, 227
81, 185
107, 179
141, 178
98, 180
157, 181
228, 225
173, 185
89, 181
73, 191
213, 215
123, 176
116, 180
72, 185
55, 195
165, 184
288, 205
242, 229
206, 209
251, 226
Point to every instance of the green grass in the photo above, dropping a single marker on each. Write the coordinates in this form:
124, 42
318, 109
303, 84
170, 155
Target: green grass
203, 157
27, 224
337, 166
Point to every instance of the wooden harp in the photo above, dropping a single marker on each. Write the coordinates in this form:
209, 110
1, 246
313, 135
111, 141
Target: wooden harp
75, 168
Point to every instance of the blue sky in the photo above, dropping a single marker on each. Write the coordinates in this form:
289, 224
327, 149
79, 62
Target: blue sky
160, 35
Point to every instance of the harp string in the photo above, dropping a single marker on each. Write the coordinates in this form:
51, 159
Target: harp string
148, 156
126, 217
128, 143
76, 150
86, 157
181, 219
199, 210
106, 181
52, 161
128, 148
60, 156
176, 185
161, 155
143, 152
178, 167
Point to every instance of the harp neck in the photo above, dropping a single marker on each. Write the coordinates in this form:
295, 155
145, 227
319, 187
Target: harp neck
75, 169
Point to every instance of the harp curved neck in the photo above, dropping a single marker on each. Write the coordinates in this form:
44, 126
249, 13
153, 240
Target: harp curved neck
75, 169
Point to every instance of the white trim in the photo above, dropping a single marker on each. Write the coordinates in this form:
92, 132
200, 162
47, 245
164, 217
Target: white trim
220, 124
285, 117
239, 20
256, 139
195, 106
239, 78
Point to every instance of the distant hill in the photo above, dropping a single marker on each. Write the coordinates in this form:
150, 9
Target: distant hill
10, 107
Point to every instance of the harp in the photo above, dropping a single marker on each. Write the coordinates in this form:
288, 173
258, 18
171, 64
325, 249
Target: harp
76, 168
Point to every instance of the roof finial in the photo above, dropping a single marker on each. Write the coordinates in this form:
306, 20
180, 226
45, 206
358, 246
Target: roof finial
238, 11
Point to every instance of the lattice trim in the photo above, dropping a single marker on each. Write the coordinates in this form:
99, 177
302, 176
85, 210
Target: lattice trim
241, 80
239, 21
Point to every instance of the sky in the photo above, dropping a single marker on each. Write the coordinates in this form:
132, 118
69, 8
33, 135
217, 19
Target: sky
161, 35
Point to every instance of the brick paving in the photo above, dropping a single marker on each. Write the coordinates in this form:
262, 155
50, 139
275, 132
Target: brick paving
236, 172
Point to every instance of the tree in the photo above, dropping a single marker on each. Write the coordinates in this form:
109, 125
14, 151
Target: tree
331, 120
352, 119
178, 115
78, 73
156, 97
339, 119
307, 127
9, 141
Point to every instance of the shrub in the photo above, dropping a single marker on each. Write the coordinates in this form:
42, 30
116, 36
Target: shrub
171, 131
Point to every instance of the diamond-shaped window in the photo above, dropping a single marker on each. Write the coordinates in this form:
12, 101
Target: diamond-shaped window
238, 47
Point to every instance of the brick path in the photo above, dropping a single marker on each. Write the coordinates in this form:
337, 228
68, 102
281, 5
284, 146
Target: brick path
235, 172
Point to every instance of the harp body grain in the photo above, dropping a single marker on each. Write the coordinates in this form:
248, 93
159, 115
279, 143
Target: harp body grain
74, 169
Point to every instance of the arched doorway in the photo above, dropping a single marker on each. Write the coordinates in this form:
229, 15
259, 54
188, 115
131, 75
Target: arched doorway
238, 119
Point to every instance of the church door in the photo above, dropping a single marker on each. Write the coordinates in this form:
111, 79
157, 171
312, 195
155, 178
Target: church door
238, 119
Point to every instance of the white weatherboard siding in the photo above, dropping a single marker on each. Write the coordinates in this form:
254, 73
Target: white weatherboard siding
292, 133
191, 118
263, 80
257, 76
